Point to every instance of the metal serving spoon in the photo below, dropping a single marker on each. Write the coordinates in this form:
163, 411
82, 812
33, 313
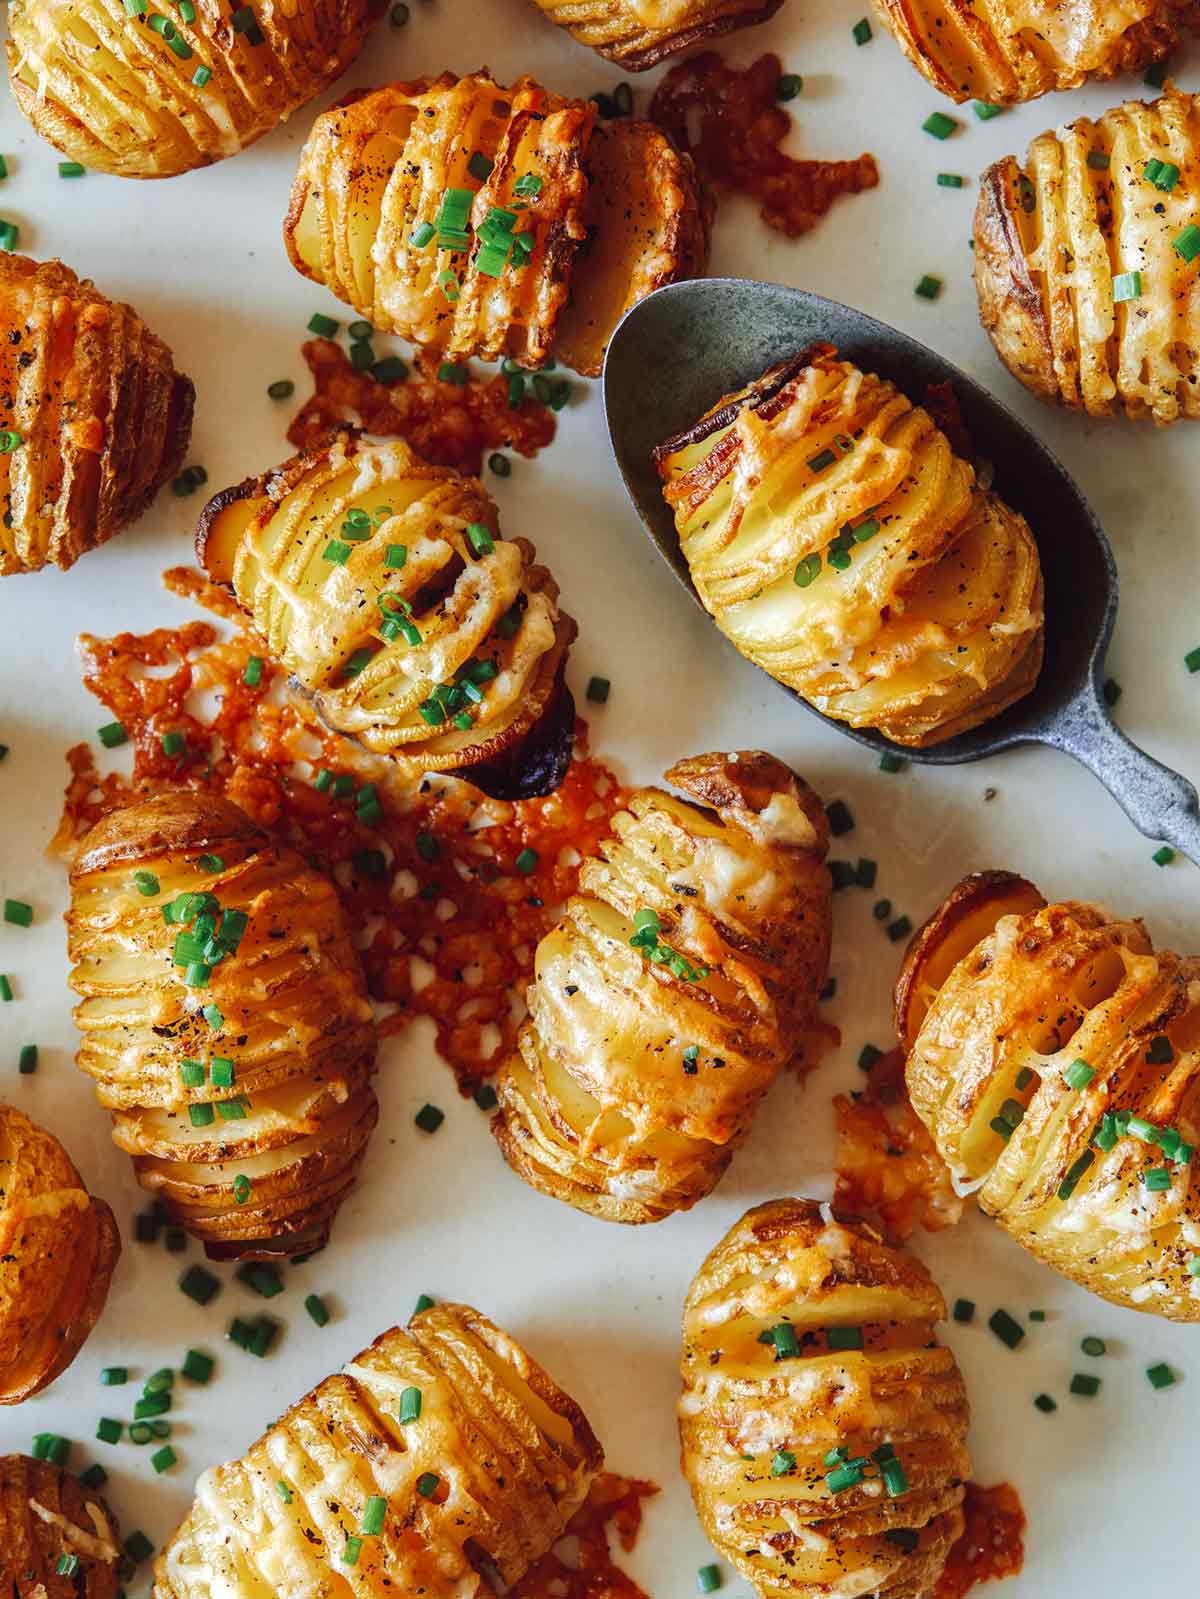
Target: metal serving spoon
677, 352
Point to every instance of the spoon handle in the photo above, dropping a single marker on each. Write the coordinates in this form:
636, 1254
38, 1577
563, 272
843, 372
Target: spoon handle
1158, 801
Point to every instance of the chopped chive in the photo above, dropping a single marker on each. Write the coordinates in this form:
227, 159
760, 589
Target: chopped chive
708, 1579
67, 1565
1037, 1315
949, 180
840, 818
325, 326
891, 763
1161, 1375
390, 370
894, 1479
844, 1337
336, 552
1045, 1404
429, 1118
1187, 243
861, 31
1006, 1328
197, 1366
282, 388
1126, 286
985, 111
146, 883
241, 1189
424, 1302
1071, 1180
782, 1462
964, 1310
410, 1404
18, 913
807, 570
351, 1550
252, 675
6, 989
822, 460
284, 1492
317, 1309
213, 1017
928, 287
1084, 1385
526, 862
485, 1097
109, 1430
500, 465
94, 1477
480, 539
71, 169
114, 1376
788, 86
421, 235
199, 1284
1163, 856
163, 1459
1093, 1346
841, 1478
1078, 1075
1157, 1180
138, 1547
151, 1405
1099, 160
939, 124
899, 929
597, 691
27, 1060
480, 166
427, 1484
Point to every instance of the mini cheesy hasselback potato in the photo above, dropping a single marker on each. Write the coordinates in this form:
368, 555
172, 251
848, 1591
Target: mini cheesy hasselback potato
840, 544
440, 1459
682, 976
384, 586
1087, 261
224, 1020
58, 1249
823, 1427
1054, 1056
485, 221
637, 34
94, 418
1001, 52
46, 1517
156, 93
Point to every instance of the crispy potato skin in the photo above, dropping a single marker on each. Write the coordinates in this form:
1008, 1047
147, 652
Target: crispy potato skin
129, 105
1051, 237
102, 415
513, 1455
58, 1249
1045, 986
745, 1412
476, 609
1006, 51
46, 1513
618, 213
294, 1021
638, 34
933, 621
601, 1106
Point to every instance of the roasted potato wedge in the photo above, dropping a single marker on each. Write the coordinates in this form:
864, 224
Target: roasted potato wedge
804, 1335
224, 1021
1087, 274
150, 96
638, 34
480, 1457
1002, 53
452, 660
58, 1249
682, 976
46, 1514
407, 201
1057, 1068
840, 544
94, 418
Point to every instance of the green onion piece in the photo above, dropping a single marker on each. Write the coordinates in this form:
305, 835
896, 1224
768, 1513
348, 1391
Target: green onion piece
410, 1404
108, 1430
928, 287
899, 929
500, 464
424, 1302
336, 552
597, 691
1161, 1376
985, 111
429, 1118
6, 989
479, 166
1093, 1346
1126, 286
949, 180
891, 763
138, 1547
485, 1097
844, 1337
1187, 244
191, 1073
94, 1477
200, 77
840, 1479
67, 1565
783, 1338
1166, 176
284, 1492
964, 1310
114, 1376
1139, 1127
449, 285
1006, 1328
788, 86
27, 1060
201, 1115
1084, 1385
163, 1459
317, 1309
261, 1278
197, 1366
1157, 1180
213, 1017
526, 862
1163, 856
939, 124
325, 326
861, 31
807, 570
868, 1056
199, 1285
480, 539
421, 235
241, 1189
865, 530
71, 169
823, 459
708, 1579
197, 973
151, 1405
1192, 660
1078, 1075
782, 1462
351, 1551
528, 186
1045, 1404
1099, 160
390, 370
894, 1479
427, 1484
18, 913
1070, 1181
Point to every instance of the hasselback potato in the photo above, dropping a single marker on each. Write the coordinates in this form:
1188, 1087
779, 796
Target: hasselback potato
839, 543
126, 89
490, 221
383, 585
1087, 261
823, 1427
682, 976
58, 1249
1054, 1056
1001, 52
224, 1020
442, 1457
640, 33
94, 418
47, 1520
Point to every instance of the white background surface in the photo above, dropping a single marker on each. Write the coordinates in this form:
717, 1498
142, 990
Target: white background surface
1108, 1483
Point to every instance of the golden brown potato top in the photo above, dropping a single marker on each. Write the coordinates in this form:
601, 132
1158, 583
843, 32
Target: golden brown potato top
639, 34
823, 1428
46, 1515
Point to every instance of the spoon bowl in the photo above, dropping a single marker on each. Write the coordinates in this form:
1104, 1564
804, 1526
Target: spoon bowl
678, 351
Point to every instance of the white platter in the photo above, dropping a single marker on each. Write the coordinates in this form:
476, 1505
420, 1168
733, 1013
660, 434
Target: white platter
1108, 1483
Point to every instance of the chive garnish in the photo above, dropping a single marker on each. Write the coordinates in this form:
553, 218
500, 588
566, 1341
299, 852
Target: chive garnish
708, 1579
429, 1118
1006, 1328
317, 1309
1161, 1375
18, 913
1078, 1075
939, 124
108, 1430
1045, 1404
199, 1284
427, 1484
1085, 1385
861, 31
928, 287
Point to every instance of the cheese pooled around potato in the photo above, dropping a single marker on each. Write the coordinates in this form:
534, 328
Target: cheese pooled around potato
445, 1438
823, 1426
683, 975
840, 544
1054, 1056
486, 221
224, 1019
